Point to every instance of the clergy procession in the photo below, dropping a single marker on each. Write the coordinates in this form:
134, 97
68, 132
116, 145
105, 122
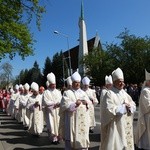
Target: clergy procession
69, 115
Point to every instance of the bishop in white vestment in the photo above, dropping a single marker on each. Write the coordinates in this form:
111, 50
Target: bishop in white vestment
34, 105
51, 103
22, 105
91, 93
74, 109
117, 116
142, 138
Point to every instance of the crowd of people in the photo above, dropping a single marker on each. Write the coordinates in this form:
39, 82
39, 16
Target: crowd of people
69, 115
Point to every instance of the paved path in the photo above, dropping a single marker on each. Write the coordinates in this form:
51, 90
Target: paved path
14, 137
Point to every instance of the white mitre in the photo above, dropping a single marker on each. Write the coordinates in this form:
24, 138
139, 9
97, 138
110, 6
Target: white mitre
35, 86
16, 86
86, 81
47, 83
147, 75
76, 77
11, 91
51, 78
20, 86
69, 81
117, 74
108, 79
26, 86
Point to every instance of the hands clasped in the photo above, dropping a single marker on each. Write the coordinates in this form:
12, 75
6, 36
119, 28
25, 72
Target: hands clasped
78, 102
36, 104
123, 109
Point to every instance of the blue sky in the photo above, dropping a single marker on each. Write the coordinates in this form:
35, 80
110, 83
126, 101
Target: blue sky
106, 17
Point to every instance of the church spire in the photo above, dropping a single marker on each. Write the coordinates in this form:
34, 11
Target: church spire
82, 11
83, 48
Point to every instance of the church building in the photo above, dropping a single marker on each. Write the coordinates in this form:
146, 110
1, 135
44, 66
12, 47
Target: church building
76, 54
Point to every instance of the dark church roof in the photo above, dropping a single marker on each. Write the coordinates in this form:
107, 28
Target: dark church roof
75, 50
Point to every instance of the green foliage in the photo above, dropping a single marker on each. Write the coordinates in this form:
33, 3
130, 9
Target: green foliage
5, 75
97, 62
47, 66
34, 74
47, 69
93, 62
132, 55
15, 36
29, 76
57, 68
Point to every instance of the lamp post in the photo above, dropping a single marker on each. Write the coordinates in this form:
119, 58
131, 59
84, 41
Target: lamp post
69, 58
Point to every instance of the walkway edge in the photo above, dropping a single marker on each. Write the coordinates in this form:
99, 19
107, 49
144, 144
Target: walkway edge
1, 146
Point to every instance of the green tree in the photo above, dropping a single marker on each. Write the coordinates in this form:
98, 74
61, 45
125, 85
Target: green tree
57, 68
23, 77
47, 69
15, 36
97, 65
92, 62
27, 76
132, 55
36, 75
6, 74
